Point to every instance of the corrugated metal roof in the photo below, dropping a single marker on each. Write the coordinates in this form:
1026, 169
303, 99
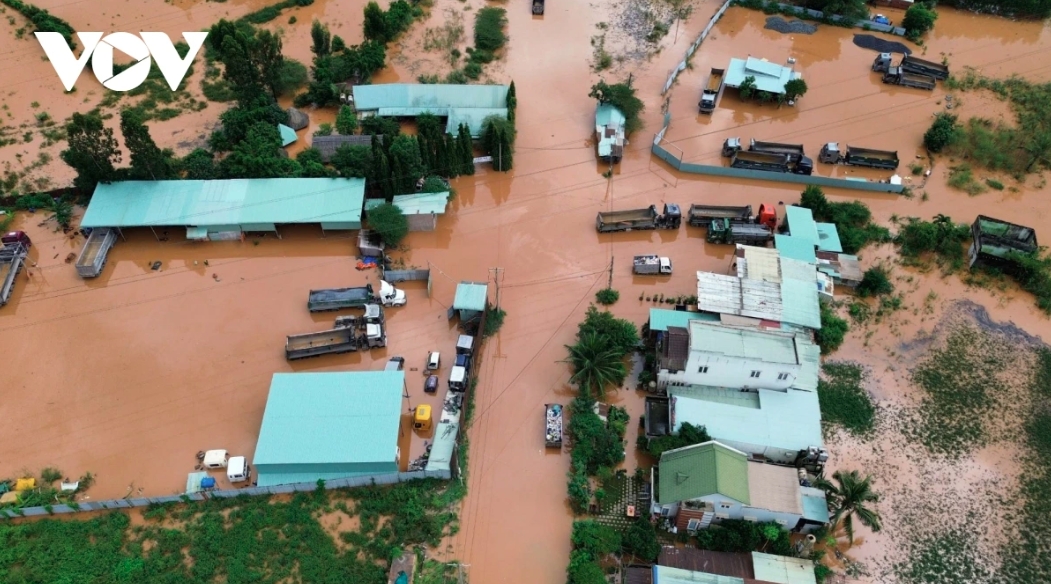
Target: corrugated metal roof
815, 505
327, 145
701, 470
469, 104
800, 304
795, 248
828, 237
666, 575
470, 296
730, 397
738, 565
768, 347
809, 361
661, 319
783, 569
758, 263
415, 204
774, 488
790, 420
609, 127
288, 135
801, 223
768, 76
225, 202
328, 425
792, 301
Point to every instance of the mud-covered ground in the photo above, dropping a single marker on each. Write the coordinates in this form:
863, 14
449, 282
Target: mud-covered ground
129, 375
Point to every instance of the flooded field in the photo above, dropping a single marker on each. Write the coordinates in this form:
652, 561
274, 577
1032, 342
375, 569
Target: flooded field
129, 375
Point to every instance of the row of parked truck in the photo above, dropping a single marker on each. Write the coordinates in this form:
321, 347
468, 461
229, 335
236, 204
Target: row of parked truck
910, 71
725, 224
348, 333
791, 158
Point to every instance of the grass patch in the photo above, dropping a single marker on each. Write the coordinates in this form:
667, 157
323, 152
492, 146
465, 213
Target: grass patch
602, 59
939, 238
494, 319
994, 184
607, 296
962, 178
833, 330
844, 402
446, 37
916, 169
43, 21
947, 558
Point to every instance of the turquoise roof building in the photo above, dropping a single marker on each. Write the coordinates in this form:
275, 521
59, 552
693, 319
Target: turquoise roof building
769, 77
467, 104
470, 299
207, 207
288, 135
609, 132
329, 426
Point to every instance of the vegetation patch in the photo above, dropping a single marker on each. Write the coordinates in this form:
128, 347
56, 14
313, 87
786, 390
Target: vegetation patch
489, 26
494, 320
853, 219
621, 96
688, 435
918, 240
607, 296
844, 401
43, 21
833, 330
1023, 9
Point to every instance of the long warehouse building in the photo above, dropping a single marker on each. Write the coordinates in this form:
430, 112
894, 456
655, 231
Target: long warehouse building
225, 209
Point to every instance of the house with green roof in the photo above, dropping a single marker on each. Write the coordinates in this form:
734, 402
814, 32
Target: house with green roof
698, 485
609, 133
327, 426
420, 209
470, 299
458, 104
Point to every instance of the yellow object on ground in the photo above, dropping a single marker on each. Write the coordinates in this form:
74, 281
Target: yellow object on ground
422, 421
25, 484
9, 497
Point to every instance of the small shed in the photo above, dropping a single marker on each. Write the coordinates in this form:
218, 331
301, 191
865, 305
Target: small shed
769, 77
609, 132
421, 209
470, 300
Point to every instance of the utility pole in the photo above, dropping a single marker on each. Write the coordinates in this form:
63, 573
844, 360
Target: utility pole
497, 274
610, 285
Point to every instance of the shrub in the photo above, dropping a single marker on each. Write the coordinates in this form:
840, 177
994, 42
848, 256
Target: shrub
346, 121
324, 130
389, 223
489, 29
494, 320
641, 540
607, 296
942, 132
622, 334
50, 475
472, 70
832, 332
456, 77
795, 88
919, 19
940, 236
688, 435
594, 539
875, 282
736, 535
621, 96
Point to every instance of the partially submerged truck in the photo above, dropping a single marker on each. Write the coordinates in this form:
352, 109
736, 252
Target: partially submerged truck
652, 264
348, 334
641, 219
771, 162
92, 258
994, 242
12, 259
702, 215
794, 152
911, 65
711, 91
340, 298
725, 231
854, 156
553, 425
897, 76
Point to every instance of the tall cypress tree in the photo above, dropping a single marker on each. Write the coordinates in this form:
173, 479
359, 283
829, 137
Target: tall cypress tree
384, 171
466, 150
512, 102
147, 160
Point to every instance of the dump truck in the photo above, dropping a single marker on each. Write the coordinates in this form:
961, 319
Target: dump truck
918, 66
340, 298
725, 231
652, 264
348, 334
771, 162
553, 425
896, 76
832, 154
639, 219
538, 7
994, 241
711, 91
793, 151
12, 260
702, 215
92, 257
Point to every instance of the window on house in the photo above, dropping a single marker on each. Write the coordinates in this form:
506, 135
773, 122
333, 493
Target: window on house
782, 376
722, 515
725, 505
702, 369
752, 519
755, 374
693, 525
665, 511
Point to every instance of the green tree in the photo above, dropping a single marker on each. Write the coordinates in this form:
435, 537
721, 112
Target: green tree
596, 364
813, 198
875, 282
622, 334
919, 19
850, 497
237, 120
747, 88
434, 184
498, 138
389, 223
795, 89
324, 130
621, 96
594, 539
688, 435
291, 75
321, 40
465, 150
380, 126
267, 58
489, 29
346, 121
238, 69
92, 151
406, 164
199, 165
147, 160
832, 332
512, 101
353, 161
942, 133
584, 570
398, 18
579, 488
338, 44
312, 165
259, 156
375, 24
641, 540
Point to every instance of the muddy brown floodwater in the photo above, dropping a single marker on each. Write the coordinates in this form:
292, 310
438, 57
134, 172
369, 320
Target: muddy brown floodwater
129, 375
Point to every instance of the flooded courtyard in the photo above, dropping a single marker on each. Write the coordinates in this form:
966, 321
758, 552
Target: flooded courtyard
129, 375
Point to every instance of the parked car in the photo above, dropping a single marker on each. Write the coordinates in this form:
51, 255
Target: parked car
431, 385
463, 361
395, 364
434, 360
16, 237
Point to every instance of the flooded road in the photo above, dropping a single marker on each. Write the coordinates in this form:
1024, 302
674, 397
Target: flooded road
128, 376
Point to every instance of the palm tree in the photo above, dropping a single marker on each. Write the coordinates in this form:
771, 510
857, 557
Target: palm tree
835, 546
848, 499
596, 364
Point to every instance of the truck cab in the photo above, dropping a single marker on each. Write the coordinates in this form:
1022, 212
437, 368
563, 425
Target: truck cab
16, 237
731, 146
458, 379
238, 470
391, 296
395, 364
665, 265
375, 336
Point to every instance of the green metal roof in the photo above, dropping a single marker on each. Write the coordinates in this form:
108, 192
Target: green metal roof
701, 470
809, 361
815, 504
801, 223
661, 319
768, 76
415, 204
469, 104
783, 569
795, 248
607, 115
799, 301
790, 420
828, 237
668, 575
226, 202
742, 343
470, 296
329, 425
288, 135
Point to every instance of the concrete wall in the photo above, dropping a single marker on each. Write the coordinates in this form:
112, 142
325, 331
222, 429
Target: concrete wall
423, 222
732, 372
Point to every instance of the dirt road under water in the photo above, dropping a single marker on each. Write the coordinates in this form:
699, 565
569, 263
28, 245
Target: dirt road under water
129, 375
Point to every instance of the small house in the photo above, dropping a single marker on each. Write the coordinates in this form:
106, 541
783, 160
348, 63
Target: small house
470, 300
609, 133
420, 209
288, 135
769, 77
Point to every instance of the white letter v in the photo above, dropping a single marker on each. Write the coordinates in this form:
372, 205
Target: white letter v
66, 65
